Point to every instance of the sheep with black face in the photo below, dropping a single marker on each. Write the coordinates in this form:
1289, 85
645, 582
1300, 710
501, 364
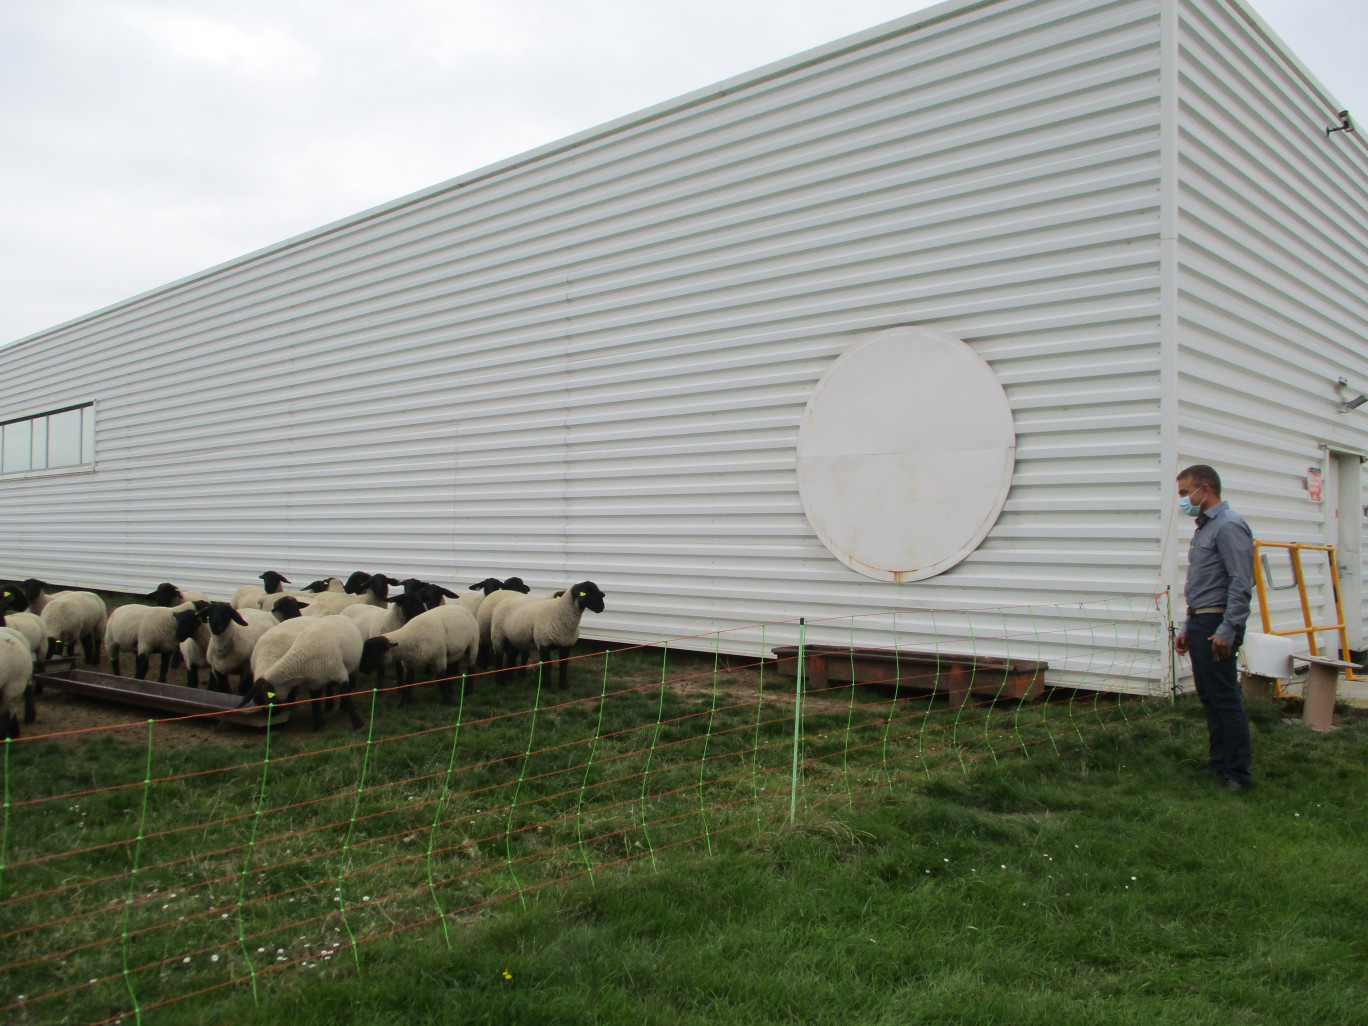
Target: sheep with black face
523, 626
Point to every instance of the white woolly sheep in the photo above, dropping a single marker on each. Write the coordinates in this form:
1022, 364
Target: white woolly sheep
32, 628
434, 644
73, 615
304, 595
360, 587
193, 635
250, 595
16, 679
233, 635
374, 621
30, 712
542, 625
121, 628
484, 616
121, 632
323, 653
157, 636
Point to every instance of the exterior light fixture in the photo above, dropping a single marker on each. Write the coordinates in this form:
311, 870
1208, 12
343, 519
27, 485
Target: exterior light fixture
1349, 404
1346, 124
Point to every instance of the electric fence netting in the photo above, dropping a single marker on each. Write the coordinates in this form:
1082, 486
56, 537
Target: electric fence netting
134, 873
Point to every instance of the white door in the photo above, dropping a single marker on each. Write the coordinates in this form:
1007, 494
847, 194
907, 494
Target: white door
1344, 530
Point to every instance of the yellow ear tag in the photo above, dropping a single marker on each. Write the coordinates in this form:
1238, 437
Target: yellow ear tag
271, 695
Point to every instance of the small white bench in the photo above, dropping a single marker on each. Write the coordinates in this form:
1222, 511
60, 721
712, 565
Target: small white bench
1318, 710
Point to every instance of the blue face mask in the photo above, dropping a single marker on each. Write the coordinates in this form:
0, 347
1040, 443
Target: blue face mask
1185, 504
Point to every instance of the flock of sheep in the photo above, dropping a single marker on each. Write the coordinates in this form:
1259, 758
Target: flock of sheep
277, 642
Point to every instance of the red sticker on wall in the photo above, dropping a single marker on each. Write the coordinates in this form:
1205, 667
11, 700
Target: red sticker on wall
1313, 484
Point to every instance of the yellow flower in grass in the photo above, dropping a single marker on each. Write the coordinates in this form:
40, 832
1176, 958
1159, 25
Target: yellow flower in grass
507, 975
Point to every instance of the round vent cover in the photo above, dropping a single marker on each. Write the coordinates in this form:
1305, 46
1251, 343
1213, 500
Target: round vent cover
905, 454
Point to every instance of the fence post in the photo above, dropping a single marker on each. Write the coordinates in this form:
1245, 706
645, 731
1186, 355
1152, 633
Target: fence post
797, 715
1173, 652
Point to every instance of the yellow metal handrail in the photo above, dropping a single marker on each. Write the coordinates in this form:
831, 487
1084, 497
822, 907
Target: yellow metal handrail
1294, 551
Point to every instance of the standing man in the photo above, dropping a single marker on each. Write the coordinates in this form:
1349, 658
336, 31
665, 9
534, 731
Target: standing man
1219, 577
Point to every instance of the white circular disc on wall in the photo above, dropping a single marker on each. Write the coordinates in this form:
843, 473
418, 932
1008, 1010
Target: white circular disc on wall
905, 454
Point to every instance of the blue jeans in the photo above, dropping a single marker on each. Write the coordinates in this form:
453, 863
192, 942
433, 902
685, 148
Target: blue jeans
1218, 686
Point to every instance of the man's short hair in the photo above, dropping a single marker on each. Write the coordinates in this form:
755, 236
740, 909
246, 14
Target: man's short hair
1200, 474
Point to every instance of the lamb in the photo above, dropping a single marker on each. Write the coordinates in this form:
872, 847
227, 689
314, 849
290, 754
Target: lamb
193, 635
121, 629
250, 595
360, 587
72, 615
233, 634
304, 596
470, 599
33, 630
322, 653
374, 621
544, 624
30, 712
484, 616
474, 598
434, 643
157, 636
16, 681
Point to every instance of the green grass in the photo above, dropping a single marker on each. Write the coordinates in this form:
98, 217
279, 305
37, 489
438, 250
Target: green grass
1053, 863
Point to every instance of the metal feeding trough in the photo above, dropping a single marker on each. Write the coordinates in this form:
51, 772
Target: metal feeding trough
149, 694
957, 676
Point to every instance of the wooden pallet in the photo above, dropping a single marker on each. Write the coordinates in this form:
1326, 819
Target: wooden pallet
957, 676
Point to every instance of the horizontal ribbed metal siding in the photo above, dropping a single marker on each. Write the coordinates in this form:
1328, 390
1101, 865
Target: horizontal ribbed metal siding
592, 363
1273, 280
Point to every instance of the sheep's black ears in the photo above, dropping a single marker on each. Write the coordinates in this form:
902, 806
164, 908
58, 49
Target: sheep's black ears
448, 594
201, 606
237, 618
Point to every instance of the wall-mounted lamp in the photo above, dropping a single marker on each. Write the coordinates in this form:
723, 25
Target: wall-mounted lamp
1349, 404
1346, 124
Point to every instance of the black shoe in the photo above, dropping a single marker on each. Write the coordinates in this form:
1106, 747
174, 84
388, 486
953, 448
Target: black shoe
1233, 785
1210, 771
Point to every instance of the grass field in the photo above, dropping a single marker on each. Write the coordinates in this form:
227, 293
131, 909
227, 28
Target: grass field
625, 855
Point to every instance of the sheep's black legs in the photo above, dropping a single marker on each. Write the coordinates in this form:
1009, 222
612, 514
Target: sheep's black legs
191, 676
165, 667
218, 682
564, 656
88, 649
30, 713
140, 665
114, 663
316, 709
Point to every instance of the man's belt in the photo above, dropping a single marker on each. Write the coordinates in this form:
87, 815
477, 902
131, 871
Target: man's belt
1202, 610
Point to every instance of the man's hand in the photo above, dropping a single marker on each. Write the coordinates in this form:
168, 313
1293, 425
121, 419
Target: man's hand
1221, 649
1180, 643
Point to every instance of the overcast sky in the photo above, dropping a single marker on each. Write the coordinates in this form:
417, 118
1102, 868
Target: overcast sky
145, 140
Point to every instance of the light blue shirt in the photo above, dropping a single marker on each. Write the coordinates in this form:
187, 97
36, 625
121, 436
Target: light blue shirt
1221, 567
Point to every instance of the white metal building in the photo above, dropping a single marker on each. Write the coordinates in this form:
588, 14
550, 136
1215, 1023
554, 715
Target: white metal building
594, 360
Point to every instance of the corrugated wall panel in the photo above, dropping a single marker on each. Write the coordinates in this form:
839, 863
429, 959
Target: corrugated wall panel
1273, 283
592, 361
